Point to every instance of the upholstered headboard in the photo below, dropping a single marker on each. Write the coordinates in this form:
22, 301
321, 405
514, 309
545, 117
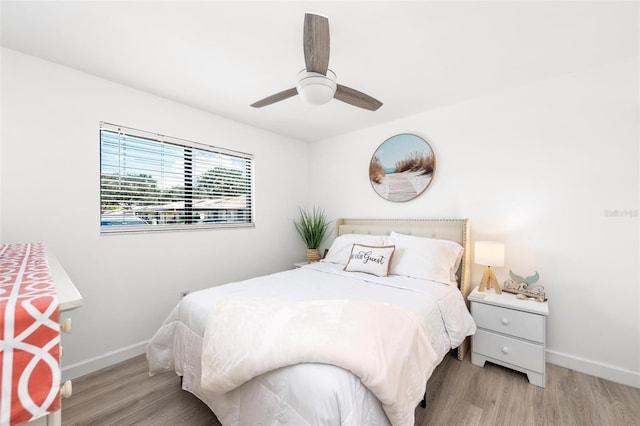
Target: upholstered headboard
446, 229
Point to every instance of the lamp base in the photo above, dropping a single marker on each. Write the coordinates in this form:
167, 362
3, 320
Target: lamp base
489, 281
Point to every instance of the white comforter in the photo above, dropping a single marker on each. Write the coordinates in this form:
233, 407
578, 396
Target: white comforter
309, 393
386, 346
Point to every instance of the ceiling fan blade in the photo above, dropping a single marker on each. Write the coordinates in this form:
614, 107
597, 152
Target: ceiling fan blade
316, 43
355, 98
281, 96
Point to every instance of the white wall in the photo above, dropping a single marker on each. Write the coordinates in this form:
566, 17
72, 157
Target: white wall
50, 193
537, 167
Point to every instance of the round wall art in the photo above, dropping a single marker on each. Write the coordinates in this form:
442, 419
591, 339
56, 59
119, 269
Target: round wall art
402, 167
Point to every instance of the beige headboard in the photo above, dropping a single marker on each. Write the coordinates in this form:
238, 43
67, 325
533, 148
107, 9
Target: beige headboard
446, 229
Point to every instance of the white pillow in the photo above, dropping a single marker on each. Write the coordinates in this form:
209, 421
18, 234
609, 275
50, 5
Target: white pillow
340, 249
452, 245
372, 260
425, 258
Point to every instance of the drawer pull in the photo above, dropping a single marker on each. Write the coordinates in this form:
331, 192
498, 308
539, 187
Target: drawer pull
66, 325
505, 321
66, 389
505, 350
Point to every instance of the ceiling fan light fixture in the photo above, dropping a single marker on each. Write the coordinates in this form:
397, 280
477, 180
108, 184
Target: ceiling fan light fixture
315, 88
317, 83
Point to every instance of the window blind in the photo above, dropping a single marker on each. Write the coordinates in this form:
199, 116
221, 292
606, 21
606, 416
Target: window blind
155, 182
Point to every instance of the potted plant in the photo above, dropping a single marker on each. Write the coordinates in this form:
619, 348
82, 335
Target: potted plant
312, 228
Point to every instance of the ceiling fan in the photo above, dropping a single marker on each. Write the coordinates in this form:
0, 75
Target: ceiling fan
317, 83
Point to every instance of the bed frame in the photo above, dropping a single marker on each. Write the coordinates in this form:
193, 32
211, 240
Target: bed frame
445, 229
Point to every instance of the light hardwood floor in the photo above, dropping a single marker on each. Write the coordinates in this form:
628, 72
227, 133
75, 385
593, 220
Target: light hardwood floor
459, 394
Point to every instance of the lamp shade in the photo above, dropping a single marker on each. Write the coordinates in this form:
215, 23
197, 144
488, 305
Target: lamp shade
489, 253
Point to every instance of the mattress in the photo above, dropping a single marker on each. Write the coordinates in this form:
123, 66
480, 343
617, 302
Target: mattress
307, 393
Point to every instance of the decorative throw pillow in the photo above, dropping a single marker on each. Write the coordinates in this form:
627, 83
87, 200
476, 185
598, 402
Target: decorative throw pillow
340, 249
425, 258
370, 259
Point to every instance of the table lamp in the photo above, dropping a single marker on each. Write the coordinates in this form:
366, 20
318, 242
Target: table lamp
489, 253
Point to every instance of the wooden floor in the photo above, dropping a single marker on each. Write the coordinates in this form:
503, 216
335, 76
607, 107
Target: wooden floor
459, 394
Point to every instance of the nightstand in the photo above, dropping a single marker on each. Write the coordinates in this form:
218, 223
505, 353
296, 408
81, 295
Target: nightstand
511, 332
300, 264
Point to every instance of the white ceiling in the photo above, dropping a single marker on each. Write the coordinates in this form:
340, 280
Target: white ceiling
413, 56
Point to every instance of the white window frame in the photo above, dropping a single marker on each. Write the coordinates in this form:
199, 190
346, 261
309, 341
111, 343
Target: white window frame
130, 155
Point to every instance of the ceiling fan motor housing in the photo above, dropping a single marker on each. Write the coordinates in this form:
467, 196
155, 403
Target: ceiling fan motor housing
315, 88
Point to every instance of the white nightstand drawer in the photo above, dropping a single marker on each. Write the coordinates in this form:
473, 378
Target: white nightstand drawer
512, 351
508, 321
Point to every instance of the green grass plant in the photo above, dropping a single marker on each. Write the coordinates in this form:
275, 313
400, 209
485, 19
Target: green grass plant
312, 226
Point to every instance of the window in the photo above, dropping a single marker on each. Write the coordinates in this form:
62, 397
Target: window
153, 182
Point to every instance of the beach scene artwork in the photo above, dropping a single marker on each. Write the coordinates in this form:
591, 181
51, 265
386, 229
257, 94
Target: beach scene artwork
402, 168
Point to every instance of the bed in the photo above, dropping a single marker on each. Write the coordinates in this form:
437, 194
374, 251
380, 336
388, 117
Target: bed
339, 341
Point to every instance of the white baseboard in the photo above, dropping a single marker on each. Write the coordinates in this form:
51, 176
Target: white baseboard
595, 368
107, 360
